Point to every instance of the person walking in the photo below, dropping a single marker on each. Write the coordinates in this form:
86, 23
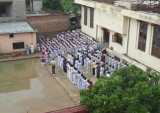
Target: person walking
53, 66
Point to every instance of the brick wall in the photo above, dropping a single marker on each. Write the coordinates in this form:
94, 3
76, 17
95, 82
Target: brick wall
49, 23
106, 1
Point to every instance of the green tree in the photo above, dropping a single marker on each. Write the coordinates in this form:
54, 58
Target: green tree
61, 5
69, 6
27, 2
52, 4
128, 90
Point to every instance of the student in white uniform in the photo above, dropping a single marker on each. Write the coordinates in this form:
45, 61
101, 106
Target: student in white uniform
87, 84
84, 81
68, 67
61, 62
78, 79
102, 70
95, 67
79, 66
75, 75
108, 74
112, 62
71, 72
112, 69
119, 64
109, 60
59, 56
76, 63
123, 65
115, 64
89, 63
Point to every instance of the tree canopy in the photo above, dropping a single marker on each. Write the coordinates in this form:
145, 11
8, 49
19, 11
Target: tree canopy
61, 5
128, 90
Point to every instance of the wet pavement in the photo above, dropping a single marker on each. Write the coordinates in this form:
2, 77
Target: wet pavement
45, 92
34, 91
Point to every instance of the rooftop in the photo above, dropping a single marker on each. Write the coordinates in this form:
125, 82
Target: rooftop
16, 27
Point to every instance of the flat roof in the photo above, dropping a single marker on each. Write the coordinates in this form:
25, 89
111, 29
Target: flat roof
16, 27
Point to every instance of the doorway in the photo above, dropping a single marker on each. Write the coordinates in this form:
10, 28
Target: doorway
106, 34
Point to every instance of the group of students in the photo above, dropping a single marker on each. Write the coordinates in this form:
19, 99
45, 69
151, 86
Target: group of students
66, 42
99, 63
73, 70
80, 51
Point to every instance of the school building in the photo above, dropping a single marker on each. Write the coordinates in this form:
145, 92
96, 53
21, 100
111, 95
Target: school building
15, 31
132, 35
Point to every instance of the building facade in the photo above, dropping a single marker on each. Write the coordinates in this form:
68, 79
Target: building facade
12, 10
15, 31
135, 34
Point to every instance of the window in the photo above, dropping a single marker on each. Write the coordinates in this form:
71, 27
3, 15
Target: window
11, 35
85, 15
156, 41
2, 10
142, 35
117, 38
91, 17
19, 45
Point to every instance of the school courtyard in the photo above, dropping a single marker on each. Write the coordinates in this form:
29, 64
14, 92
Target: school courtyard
36, 90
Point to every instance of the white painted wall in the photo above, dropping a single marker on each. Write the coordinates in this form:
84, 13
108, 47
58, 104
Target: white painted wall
117, 19
141, 56
86, 28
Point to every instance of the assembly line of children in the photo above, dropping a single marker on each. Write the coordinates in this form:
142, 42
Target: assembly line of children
74, 51
93, 60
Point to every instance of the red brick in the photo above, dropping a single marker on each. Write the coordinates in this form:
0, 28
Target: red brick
106, 1
49, 23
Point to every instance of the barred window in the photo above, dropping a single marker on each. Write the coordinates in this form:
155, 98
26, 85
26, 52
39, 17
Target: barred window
156, 41
85, 15
142, 36
117, 38
91, 17
19, 45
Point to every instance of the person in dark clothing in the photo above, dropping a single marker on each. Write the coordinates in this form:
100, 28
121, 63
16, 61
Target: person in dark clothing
53, 66
65, 65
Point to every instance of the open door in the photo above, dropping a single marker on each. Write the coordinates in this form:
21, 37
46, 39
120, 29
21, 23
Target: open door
106, 34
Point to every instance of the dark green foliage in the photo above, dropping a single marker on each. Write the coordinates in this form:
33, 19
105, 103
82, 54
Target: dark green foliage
61, 5
52, 4
128, 90
27, 2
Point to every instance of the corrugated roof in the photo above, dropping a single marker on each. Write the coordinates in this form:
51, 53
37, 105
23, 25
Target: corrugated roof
16, 27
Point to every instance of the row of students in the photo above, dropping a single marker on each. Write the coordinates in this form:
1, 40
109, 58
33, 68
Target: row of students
73, 70
66, 42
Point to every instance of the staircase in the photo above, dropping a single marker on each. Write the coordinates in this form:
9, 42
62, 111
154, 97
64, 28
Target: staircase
103, 45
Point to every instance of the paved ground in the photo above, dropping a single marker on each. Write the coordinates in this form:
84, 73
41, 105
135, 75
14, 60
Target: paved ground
66, 88
72, 89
